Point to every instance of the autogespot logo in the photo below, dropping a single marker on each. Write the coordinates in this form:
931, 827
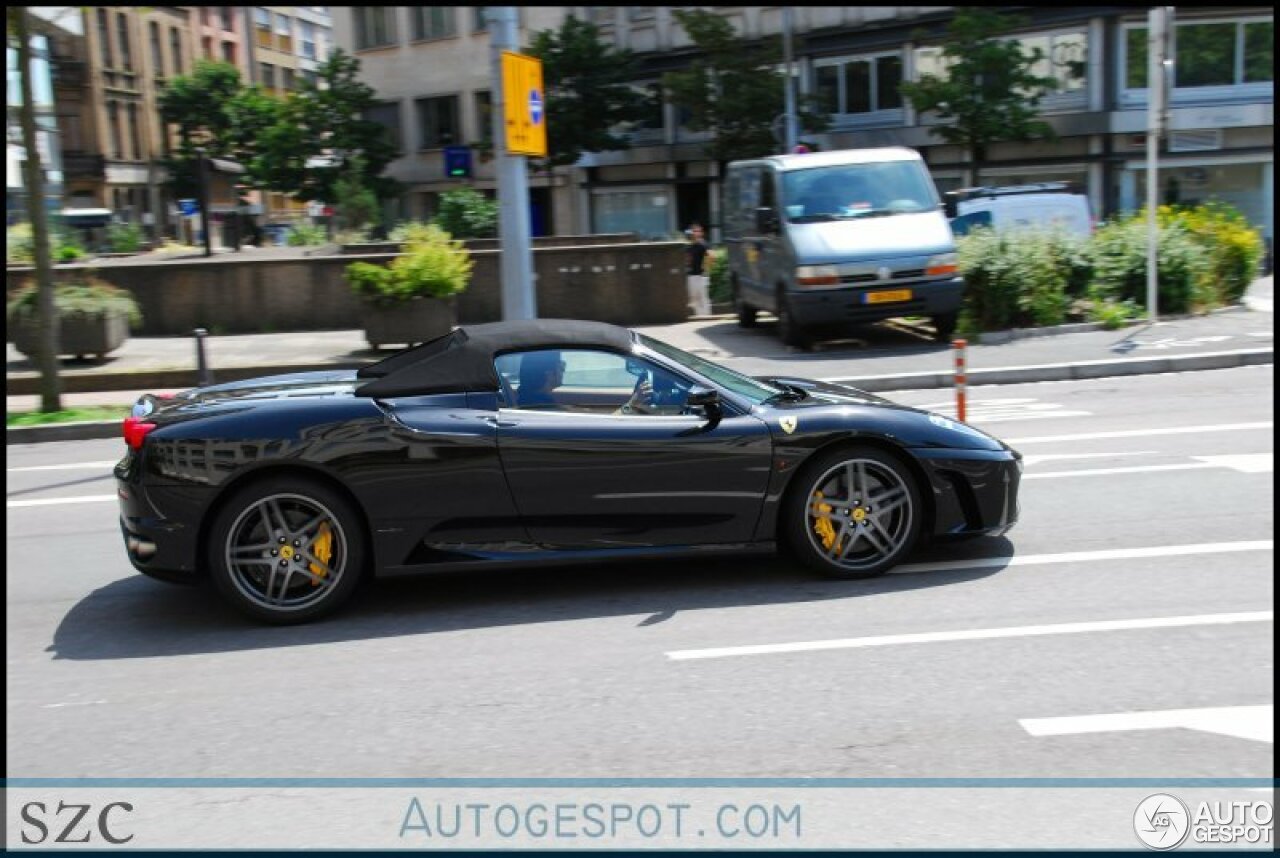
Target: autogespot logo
1162, 821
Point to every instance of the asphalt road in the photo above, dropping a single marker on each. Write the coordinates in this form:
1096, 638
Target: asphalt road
621, 670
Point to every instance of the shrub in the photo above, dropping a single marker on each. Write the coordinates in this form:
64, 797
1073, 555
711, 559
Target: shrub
405, 230
717, 267
1118, 253
1233, 247
81, 293
124, 237
433, 265
467, 213
69, 251
1020, 277
21, 246
305, 235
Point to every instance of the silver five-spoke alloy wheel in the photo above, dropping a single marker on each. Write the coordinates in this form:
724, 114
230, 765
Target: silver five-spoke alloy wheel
286, 552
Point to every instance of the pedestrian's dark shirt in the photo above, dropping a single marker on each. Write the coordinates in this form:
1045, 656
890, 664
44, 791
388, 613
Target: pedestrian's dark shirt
697, 256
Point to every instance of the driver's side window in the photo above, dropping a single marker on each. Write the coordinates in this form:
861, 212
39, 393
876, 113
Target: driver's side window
588, 381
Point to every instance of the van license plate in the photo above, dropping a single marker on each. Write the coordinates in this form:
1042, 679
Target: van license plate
887, 297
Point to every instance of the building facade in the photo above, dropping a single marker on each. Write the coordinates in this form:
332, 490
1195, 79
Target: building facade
44, 33
431, 67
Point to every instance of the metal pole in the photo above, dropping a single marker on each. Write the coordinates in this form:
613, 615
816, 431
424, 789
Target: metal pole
788, 83
204, 375
960, 346
518, 298
202, 180
1156, 23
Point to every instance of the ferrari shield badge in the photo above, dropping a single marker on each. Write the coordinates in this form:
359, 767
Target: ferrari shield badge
788, 424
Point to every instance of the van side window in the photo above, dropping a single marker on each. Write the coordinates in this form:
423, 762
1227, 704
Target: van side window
768, 192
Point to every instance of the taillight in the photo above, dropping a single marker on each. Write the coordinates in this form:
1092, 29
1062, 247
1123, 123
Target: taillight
135, 432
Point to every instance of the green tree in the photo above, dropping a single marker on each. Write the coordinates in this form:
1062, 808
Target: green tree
587, 91
733, 89
357, 204
201, 106
467, 213
990, 92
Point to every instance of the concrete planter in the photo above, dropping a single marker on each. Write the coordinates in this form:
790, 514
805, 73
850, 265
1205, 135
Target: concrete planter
416, 321
78, 334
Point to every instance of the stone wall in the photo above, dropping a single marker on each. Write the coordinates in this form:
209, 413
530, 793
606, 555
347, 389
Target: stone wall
627, 284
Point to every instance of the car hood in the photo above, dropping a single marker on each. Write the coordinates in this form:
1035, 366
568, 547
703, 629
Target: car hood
872, 238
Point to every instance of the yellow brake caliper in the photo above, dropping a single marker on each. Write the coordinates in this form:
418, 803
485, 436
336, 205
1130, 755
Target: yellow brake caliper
822, 526
322, 548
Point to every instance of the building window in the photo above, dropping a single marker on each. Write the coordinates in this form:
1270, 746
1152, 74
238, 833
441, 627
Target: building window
175, 50
268, 73
640, 13
287, 80
284, 33
307, 39
309, 76
1064, 58
104, 39
1206, 54
484, 116
113, 127
228, 18
859, 85
157, 52
229, 52
375, 26
126, 51
262, 26
388, 116
134, 140
601, 16
438, 119
479, 23
433, 22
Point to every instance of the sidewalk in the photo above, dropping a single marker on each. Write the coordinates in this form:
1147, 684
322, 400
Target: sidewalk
884, 358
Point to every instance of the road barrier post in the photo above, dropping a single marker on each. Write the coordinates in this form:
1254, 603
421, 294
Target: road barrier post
960, 346
204, 375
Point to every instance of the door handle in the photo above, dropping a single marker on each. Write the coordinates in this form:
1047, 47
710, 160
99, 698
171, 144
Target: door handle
495, 422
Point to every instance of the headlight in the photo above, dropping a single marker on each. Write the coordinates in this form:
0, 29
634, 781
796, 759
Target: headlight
943, 263
817, 275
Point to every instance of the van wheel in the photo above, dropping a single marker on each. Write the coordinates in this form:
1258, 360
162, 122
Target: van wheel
746, 313
944, 327
789, 331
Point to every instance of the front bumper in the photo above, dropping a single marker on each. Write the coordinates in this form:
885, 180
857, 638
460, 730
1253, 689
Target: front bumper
827, 306
974, 491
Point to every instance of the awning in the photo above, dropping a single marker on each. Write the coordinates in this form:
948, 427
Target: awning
85, 217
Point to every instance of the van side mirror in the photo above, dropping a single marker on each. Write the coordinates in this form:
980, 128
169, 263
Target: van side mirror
766, 220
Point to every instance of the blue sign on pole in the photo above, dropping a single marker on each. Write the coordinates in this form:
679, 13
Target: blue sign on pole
535, 106
189, 208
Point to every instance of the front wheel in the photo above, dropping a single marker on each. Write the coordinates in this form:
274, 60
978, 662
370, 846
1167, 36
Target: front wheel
857, 512
286, 550
746, 313
789, 330
944, 327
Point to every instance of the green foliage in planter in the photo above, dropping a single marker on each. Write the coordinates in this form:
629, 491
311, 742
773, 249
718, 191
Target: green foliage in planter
1233, 247
305, 235
69, 251
432, 265
405, 229
1020, 278
467, 213
718, 276
20, 246
82, 293
1118, 255
1111, 313
124, 237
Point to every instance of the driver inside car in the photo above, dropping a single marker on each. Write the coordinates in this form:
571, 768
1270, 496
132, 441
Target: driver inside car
657, 392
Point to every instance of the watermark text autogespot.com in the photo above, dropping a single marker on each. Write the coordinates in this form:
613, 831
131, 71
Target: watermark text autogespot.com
560, 820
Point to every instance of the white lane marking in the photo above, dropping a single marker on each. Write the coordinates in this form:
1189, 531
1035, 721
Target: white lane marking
1242, 722
72, 703
1255, 463
1090, 556
56, 501
1003, 410
1032, 459
1143, 433
67, 467
978, 634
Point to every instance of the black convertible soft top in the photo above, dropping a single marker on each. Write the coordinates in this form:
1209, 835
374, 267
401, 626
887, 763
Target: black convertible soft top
462, 360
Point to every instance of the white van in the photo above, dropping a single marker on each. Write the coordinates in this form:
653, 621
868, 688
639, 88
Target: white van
1048, 205
831, 238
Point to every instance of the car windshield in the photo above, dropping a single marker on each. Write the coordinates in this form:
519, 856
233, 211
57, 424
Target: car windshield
848, 191
744, 386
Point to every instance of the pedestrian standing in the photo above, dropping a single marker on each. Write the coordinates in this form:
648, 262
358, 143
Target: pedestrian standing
699, 300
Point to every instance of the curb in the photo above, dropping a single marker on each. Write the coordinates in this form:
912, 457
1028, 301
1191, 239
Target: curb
97, 429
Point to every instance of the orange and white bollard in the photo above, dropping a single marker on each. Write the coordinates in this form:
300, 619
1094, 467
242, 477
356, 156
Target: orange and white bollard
960, 346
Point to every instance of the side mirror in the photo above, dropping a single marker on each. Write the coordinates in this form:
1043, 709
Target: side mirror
766, 220
706, 399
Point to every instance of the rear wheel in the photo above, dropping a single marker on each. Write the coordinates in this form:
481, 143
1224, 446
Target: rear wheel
286, 550
746, 313
944, 327
857, 512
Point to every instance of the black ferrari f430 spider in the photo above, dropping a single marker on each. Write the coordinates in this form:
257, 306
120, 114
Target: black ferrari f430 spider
534, 442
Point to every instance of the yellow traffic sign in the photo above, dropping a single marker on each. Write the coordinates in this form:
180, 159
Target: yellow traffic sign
525, 105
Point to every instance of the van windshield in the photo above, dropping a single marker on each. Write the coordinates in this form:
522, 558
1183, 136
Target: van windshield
847, 191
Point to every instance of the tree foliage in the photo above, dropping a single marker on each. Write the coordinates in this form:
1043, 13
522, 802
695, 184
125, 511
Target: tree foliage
199, 104
467, 213
733, 89
990, 92
587, 91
